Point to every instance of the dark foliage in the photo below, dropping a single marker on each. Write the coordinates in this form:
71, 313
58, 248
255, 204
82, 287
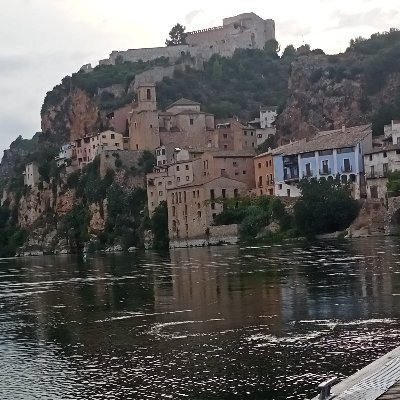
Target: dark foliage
324, 206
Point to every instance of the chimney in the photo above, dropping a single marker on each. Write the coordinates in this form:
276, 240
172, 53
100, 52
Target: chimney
343, 128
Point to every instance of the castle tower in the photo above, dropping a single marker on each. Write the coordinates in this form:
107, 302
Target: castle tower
143, 124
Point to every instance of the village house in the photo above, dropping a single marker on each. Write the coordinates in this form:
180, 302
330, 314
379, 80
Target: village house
197, 167
265, 124
264, 174
382, 160
193, 207
234, 136
31, 175
327, 155
88, 147
66, 153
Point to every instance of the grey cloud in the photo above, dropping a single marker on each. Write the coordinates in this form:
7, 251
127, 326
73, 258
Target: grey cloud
192, 15
376, 18
293, 28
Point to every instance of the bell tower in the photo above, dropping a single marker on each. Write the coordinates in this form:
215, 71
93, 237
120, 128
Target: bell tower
146, 98
143, 125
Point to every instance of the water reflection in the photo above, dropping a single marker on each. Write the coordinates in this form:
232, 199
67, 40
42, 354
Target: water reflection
208, 323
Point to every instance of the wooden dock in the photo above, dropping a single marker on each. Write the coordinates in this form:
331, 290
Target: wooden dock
378, 380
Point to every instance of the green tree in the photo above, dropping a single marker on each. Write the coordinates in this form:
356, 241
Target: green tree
393, 185
324, 206
289, 52
159, 226
272, 48
177, 35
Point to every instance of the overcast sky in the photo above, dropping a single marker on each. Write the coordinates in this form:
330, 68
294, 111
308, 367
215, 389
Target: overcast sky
44, 40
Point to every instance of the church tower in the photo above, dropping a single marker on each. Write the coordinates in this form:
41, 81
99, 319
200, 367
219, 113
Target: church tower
143, 125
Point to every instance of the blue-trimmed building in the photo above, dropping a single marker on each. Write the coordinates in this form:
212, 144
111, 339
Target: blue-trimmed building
326, 155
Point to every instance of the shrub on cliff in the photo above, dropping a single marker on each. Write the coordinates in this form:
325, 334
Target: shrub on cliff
324, 206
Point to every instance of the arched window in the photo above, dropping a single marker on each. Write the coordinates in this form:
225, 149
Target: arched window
148, 94
344, 178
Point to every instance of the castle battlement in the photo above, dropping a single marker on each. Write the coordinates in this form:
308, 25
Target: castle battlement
206, 30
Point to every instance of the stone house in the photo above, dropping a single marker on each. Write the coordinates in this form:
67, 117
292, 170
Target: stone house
326, 155
196, 168
382, 160
31, 175
264, 174
193, 207
265, 124
234, 136
88, 147
66, 153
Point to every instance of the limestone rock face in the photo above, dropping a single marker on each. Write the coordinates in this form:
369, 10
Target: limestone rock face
98, 217
33, 205
325, 93
70, 114
65, 202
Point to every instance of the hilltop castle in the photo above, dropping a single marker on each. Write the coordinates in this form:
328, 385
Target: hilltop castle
244, 31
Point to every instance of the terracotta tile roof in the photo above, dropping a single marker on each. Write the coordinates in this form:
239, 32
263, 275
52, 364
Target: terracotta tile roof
389, 147
326, 140
183, 102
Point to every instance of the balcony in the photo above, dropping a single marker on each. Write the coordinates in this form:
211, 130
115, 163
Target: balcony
307, 174
376, 175
290, 178
325, 171
347, 169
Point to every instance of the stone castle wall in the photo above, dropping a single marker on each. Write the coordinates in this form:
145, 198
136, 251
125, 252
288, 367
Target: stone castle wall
244, 31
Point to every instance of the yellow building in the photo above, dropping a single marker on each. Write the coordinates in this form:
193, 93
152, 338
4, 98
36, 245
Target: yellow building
264, 174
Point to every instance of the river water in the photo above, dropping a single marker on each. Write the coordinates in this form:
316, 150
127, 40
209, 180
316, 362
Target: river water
209, 323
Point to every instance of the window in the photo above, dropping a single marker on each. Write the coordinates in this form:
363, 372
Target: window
113, 136
212, 206
235, 193
288, 192
160, 193
252, 144
173, 211
163, 152
191, 121
385, 169
180, 197
346, 165
187, 178
116, 144
187, 167
178, 178
251, 133
223, 172
244, 172
212, 194
177, 167
151, 125
224, 193
198, 214
245, 133
397, 151
259, 135
325, 167
194, 193
151, 194
225, 135
259, 165
384, 154
159, 183
148, 94
186, 209
235, 163
225, 147
370, 157
280, 186
325, 152
345, 150
307, 155
198, 193
308, 170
